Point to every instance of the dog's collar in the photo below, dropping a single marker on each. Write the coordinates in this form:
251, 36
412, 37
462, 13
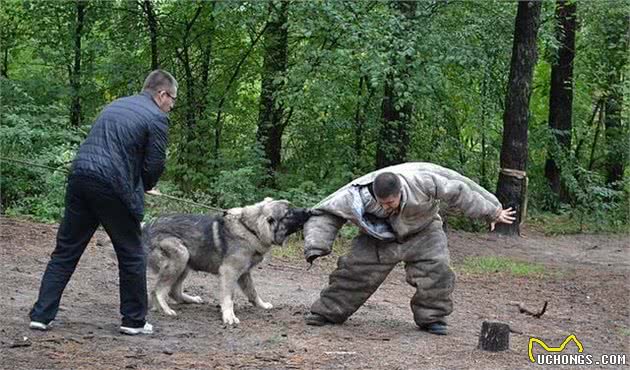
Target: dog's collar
258, 250
248, 228
254, 233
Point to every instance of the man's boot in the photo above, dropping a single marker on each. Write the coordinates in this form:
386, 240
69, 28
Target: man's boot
316, 320
437, 328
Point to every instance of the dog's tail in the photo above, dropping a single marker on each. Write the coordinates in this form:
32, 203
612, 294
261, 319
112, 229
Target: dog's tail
147, 244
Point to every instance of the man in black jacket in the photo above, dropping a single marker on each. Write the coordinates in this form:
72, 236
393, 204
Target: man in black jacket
122, 158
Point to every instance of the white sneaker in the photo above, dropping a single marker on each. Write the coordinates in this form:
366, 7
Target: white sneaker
36, 325
146, 329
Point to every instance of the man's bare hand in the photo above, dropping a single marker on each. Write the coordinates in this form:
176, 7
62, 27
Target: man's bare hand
154, 191
506, 216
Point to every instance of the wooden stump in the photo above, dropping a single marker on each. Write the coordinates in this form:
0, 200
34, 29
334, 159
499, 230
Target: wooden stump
495, 336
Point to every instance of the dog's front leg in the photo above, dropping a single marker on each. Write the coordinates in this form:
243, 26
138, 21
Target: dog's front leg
247, 286
227, 281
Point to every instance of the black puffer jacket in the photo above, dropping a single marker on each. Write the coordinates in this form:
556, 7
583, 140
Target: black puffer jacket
126, 149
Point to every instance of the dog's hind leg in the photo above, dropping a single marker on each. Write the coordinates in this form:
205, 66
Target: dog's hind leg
177, 291
247, 286
172, 267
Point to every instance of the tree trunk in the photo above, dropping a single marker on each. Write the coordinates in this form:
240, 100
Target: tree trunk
191, 117
616, 130
206, 64
147, 6
561, 97
616, 144
218, 123
600, 123
360, 118
580, 143
4, 72
188, 150
271, 114
512, 184
393, 136
484, 180
75, 74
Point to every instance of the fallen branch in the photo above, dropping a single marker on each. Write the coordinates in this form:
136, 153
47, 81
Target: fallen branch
285, 267
523, 309
512, 330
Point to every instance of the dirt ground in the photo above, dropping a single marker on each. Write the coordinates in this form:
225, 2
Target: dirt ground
586, 282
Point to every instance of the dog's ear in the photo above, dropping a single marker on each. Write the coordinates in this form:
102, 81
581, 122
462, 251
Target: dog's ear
268, 200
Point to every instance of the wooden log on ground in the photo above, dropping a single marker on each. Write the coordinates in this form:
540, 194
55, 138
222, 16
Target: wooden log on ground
494, 337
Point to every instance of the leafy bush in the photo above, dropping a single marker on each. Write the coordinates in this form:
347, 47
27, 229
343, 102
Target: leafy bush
36, 134
596, 205
235, 188
305, 195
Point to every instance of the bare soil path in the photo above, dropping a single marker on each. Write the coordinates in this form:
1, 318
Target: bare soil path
586, 281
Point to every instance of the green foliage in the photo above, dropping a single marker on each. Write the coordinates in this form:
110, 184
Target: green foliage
37, 134
451, 62
44, 202
596, 206
306, 194
293, 249
235, 188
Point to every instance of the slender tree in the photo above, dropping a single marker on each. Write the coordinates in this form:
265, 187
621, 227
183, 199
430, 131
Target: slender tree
561, 97
75, 70
616, 130
617, 146
364, 96
184, 55
14, 31
271, 118
152, 23
512, 184
394, 132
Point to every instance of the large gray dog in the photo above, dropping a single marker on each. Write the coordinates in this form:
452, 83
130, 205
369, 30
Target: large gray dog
228, 246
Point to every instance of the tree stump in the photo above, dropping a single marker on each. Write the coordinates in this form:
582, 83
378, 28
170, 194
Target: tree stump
494, 337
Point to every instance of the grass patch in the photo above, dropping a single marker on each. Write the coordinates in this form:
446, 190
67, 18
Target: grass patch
491, 265
568, 223
294, 248
624, 332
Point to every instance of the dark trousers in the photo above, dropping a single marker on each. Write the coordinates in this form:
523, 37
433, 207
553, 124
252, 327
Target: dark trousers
88, 204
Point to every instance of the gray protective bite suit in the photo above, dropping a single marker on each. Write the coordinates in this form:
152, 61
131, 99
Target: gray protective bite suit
412, 235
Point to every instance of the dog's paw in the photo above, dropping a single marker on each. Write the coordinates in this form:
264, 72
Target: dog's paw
192, 299
196, 299
169, 312
229, 318
264, 305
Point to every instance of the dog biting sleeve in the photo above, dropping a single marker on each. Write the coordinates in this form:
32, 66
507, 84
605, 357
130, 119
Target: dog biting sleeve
320, 232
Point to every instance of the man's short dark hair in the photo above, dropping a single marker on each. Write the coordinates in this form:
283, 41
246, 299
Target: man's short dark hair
159, 80
386, 184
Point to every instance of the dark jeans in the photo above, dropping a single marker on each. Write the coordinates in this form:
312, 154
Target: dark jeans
88, 204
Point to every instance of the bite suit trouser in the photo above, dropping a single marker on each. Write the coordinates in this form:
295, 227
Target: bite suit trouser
365, 267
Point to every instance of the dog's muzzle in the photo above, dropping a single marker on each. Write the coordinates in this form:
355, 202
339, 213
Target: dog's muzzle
294, 220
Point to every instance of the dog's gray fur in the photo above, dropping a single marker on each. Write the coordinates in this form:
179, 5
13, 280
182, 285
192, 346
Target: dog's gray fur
228, 246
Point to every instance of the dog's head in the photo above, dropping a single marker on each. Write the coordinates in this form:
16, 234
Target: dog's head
274, 220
